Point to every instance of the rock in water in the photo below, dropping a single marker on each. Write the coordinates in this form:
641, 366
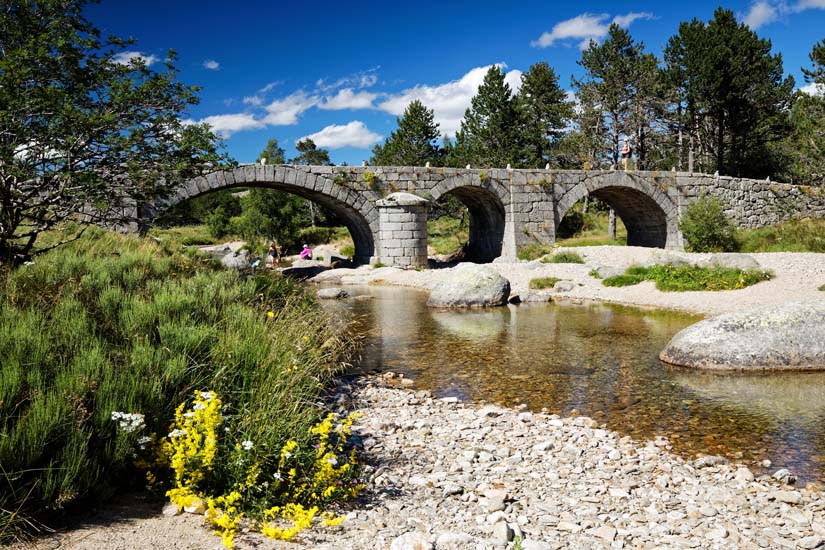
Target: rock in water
470, 285
789, 336
332, 293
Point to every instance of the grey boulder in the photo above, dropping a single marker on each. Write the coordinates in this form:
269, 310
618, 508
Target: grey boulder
731, 261
332, 293
241, 259
470, 285
789, 336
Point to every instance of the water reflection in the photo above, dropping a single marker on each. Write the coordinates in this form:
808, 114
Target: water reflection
599, 360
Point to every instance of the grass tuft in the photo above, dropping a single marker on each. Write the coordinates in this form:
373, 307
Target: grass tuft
563, 257
684, 278
542, 283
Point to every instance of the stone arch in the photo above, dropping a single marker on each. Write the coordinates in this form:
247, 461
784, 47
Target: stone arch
487, 203
359, 215
648, 214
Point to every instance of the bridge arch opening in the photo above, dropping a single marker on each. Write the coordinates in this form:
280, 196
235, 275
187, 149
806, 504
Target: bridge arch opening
646, 221
486, 220
360, 220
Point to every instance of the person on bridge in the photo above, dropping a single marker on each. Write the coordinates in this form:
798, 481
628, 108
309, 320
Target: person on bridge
627, 153
306, 253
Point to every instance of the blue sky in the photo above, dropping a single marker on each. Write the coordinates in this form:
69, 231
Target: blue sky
342, 72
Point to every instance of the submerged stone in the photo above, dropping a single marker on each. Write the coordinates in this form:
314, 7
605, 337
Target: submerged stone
789, 336
470, 285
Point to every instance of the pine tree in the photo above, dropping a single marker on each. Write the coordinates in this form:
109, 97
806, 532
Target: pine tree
413, 143
310, 155
806, 144
488, 136
272, 153
545, 114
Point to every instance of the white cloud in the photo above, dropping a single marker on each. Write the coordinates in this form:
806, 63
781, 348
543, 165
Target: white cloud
254, 100
448, 101
284, 112
354, 134
809, 4
760, 13
225, 125
361, 79
346, 98
211, 64
586, 27
813, 89
125, 58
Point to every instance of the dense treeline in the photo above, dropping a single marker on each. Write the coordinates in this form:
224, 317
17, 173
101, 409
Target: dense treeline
717, 100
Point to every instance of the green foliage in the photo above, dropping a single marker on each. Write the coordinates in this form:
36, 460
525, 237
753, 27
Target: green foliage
81, 129
533, 251
706, 227
214, 209
544, 111
483, 176
805, 235
272, 153
488, 136
310, 155
447, 234
315, 235
347, 251
369, 179
684, 278
115, 323
822, 288
542, 283
378, 264
414, 143
563, 257
731, 99
191, 235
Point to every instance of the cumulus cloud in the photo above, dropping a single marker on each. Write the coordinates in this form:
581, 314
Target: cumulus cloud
211, 64
125, 58
813, 89
586, 27
760, 13
285, 112
449, 100
254, 100
347, 98
226, 125
353, 134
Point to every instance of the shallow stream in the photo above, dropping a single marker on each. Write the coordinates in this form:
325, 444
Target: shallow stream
595, 360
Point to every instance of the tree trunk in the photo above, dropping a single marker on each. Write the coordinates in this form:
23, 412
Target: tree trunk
720, 145
680, 142
611, 225
311, 213
586, 204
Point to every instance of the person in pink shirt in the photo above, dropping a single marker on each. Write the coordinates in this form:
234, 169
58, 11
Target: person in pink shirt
306, 253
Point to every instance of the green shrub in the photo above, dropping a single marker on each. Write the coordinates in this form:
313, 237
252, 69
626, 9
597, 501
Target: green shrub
542, 283
706, 227
683, 278
804, 235
114, 324
315, 235
534, 251
563, 257
347, 251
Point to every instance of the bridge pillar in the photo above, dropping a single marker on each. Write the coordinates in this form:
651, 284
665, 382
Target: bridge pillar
402, 230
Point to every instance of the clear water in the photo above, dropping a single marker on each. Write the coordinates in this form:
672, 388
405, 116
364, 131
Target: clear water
595, 360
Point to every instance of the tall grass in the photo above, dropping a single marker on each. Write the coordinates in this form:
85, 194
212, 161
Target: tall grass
804, 235
113, 323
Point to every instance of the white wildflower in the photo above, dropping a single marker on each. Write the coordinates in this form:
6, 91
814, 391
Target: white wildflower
177, 433
277, 476
247, 445
142, 441
287, 455
206, 395
199, 406
332, 460
128, 422
189, 414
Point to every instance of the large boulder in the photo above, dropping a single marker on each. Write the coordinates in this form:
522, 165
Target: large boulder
731, 260
470, 285
789, 336
240, 259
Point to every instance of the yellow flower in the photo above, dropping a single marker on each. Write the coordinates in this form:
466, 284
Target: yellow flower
270, 314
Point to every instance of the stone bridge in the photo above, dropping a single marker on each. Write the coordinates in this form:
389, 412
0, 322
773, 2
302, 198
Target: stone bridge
507, 208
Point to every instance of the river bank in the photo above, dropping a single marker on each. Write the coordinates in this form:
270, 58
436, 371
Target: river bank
797, 276
445, 475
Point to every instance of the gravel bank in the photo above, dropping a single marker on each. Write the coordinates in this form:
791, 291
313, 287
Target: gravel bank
797, 277
454, 476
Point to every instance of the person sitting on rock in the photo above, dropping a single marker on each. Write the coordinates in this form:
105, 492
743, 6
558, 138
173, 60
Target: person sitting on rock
306, 253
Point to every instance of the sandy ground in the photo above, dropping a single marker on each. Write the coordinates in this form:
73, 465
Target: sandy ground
797, 276
133, 522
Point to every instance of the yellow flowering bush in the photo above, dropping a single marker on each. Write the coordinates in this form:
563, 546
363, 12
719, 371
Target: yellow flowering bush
281, 490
